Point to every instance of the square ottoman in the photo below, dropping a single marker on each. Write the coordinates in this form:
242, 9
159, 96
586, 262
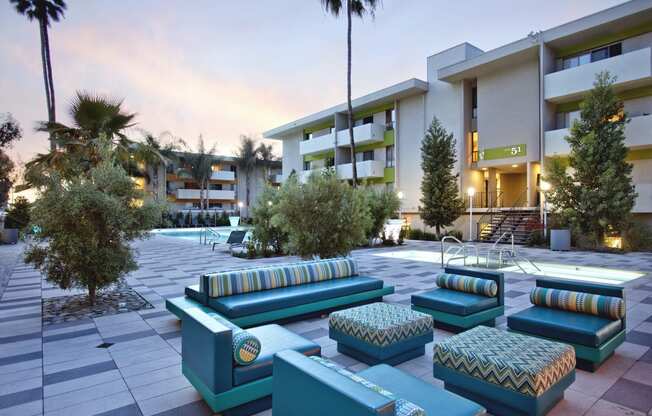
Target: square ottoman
381, 333
509, 374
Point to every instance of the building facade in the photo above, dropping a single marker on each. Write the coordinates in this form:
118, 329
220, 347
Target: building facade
227, 186
508, 109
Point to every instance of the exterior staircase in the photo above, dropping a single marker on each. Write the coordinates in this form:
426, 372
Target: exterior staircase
520, 223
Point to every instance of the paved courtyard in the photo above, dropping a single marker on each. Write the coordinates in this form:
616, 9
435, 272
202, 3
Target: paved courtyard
59, 369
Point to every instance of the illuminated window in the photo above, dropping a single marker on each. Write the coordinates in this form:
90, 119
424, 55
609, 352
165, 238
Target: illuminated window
474, 146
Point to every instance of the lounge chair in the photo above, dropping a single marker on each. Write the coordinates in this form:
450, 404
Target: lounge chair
236, 239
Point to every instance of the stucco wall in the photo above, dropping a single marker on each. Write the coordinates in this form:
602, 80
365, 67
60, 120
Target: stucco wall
292, 160
408, 150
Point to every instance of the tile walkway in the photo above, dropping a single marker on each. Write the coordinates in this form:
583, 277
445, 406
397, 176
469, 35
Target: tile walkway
59, 369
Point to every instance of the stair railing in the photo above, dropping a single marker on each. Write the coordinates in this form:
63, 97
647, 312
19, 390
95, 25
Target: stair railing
493, 206
522, 198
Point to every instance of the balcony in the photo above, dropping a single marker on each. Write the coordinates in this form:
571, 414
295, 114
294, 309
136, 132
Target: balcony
317, 144
276, 178
366, 169
366, 133
223, 175
212, 194
637, 134
631, 70
644, 201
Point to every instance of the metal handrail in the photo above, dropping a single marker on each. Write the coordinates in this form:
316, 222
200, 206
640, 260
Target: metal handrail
203, 235
462, 247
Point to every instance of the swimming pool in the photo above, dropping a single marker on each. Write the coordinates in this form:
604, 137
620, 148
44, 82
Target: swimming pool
563, 271
195, 234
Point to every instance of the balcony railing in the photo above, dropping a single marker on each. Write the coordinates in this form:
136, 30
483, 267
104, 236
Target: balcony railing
223, 175
366, 133
366, 169
637, 134
212, 194
317, 144
630, 69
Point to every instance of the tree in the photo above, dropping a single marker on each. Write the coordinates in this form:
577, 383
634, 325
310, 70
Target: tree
358, 8
44, 11
152, 153
324, 217
88, 223
597, 195
77, 146
441, 202
383, 205
201, 169
266, 233
18, 214
266, 156
247, 158
10, 132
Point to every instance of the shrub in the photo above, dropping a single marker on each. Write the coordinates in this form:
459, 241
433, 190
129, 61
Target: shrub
416, 234
265, 233
383, 205
88, 223
638, 237
453, 233
324, 217
536, 239
178, 219
18, 214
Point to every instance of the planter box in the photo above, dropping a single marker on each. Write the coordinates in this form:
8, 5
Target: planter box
10, 235
560, 240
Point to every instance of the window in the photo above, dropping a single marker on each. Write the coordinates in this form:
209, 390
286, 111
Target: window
215, 186
389, 119
389, 156
307, 136
589, 56
330, 161
215, 205
474, 102
599, 54
364, 156
306, 165
474, 146
368, 120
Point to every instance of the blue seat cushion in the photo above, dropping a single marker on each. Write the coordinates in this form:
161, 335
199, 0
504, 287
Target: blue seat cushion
434, 400
454, 302
573, 327
273, 338
245, 304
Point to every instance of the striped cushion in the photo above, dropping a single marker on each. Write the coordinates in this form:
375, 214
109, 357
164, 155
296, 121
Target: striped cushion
606, 306
246, 347
467, 284
257, 279
401, 407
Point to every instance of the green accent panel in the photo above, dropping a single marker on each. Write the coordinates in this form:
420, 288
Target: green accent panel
568, 107
596, 355
365, 113
467, 321
603, 40
237, 396
251, 320
389, 138
319, 156
639, 154
390, 174
623, 95
515, 150
318, 127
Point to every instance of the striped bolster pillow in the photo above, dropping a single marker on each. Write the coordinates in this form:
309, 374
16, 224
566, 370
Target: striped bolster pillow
246, 346
606, 306
467, 284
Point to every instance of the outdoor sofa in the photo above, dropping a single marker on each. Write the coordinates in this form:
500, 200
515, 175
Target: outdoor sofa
230, 367
253, 296
465, 298
588, 316
315, 386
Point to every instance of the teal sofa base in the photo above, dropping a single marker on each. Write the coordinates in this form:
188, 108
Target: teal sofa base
371, 360
178, 305
371, 354
501, 401
236, 398
459, 323
588, 358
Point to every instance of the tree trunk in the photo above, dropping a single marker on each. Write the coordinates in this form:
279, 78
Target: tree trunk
92, 290
50, 81
208, 197
155, 182
44, 61
354, 168
247, 184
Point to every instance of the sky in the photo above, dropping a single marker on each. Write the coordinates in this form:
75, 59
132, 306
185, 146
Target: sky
222, 69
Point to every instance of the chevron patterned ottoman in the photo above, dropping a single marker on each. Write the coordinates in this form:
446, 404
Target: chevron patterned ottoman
508, 373
381, 333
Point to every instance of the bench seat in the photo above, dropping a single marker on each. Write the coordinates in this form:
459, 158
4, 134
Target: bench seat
572, 327
246, 304
454, 302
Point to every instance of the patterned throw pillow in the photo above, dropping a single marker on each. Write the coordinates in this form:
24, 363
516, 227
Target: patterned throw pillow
246, 346
606, 306
467, 284
282, 275
401, 407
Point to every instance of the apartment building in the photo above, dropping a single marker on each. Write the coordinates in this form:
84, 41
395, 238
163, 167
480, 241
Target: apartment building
508, 108
226, 189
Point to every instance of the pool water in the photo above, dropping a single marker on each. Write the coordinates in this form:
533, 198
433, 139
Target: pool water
195, 234
563, 271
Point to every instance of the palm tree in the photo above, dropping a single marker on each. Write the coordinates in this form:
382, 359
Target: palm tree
359, 8
267, 156
152, 153
201, 169
95, 120
247, 158
44, 11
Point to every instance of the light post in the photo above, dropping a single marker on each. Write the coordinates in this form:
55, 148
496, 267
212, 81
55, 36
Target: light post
470, 192
400, 196
545, 187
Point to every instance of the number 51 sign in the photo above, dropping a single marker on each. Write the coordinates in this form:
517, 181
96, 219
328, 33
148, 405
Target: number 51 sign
494, 153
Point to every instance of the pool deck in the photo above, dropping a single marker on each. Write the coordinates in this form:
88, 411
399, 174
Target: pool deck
57, 370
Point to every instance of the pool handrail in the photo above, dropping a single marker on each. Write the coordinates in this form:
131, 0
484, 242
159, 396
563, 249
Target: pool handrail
461, 247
